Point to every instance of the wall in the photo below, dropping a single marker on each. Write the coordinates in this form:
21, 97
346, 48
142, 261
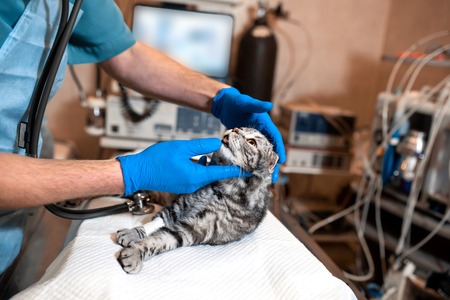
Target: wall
345, 69
66, 117
346, 45
409, 22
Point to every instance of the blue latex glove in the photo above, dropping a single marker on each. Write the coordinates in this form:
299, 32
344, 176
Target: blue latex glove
234, 109
166, 167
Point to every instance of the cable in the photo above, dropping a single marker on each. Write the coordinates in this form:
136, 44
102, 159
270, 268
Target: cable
436, 229
292, 61
98, 86
379, 226
412, 110
374, 188
396, 68
438, 117
358, 202
37, 93
308, 39
410, 49
39, 100
339, 124
368, 163
423, 62
365, 247
81, 91
135, 117
441, 111
417, 66
75, 214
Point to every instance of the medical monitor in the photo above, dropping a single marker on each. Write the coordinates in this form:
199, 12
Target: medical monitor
199, 40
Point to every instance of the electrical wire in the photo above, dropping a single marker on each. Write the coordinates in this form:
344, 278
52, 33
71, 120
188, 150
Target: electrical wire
290, 77
134, 116
360, 226
411, 111
422, 62
415, 69
367, 163
81, 91
292, 61
379, 226
410, 49
425, 240
374, 188
281, 92
341, 213
369, 172
442, 108
438, 117
397, 66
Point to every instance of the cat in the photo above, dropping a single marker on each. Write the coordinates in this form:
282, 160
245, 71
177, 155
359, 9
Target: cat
216, 214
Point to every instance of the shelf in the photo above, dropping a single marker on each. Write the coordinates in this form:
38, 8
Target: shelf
420, 258
315, 171
433, 63
419, 219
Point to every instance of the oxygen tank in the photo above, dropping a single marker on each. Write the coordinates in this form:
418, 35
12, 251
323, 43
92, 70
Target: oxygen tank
255, 65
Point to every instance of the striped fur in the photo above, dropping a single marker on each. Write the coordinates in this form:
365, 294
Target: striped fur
216, 214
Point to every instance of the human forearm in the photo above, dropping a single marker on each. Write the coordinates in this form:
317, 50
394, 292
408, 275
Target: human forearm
32, 182
152, 73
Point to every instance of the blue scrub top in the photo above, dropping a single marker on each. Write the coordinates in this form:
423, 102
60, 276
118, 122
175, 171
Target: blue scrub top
100, 34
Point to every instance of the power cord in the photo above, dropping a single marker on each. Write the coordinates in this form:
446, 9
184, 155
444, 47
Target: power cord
134, 116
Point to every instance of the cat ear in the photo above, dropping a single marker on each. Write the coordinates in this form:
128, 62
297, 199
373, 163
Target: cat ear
273, 159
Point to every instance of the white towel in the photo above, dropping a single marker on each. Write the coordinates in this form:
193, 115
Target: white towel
267, 264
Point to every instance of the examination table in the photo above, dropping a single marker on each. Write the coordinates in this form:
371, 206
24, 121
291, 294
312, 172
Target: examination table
267, 264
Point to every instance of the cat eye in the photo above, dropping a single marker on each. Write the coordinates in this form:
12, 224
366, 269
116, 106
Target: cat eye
251, 142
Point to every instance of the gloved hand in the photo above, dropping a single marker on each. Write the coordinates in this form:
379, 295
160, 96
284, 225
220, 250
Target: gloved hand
234, 109
166, 167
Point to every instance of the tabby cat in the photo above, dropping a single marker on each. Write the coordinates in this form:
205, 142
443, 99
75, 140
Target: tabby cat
216, 214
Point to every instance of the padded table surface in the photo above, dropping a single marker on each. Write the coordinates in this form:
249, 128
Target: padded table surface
267, 264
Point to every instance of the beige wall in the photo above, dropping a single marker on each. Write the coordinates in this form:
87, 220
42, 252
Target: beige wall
345, 69
347, 42
66, 117
410, 21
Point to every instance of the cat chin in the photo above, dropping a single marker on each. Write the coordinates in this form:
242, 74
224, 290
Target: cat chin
226, 156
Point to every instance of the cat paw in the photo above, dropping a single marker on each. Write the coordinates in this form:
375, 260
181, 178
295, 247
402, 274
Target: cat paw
130, 260
126, 236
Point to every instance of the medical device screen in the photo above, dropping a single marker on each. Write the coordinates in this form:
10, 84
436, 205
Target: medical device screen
199, 40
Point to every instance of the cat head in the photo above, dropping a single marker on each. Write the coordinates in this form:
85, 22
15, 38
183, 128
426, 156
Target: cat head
249, 149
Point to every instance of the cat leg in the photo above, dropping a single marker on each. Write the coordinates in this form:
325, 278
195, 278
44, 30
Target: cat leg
126, 236
132, 257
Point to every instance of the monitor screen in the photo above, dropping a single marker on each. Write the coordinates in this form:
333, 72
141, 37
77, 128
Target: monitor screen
199, 40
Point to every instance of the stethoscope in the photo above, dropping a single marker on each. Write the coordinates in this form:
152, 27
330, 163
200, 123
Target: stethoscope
139, 203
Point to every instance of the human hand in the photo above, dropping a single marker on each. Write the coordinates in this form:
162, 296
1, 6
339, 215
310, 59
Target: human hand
167, 167
234, 109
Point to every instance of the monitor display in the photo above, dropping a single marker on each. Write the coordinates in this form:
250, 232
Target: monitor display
199, 40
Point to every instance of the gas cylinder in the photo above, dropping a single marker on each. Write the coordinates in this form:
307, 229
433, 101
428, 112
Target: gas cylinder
255, 64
